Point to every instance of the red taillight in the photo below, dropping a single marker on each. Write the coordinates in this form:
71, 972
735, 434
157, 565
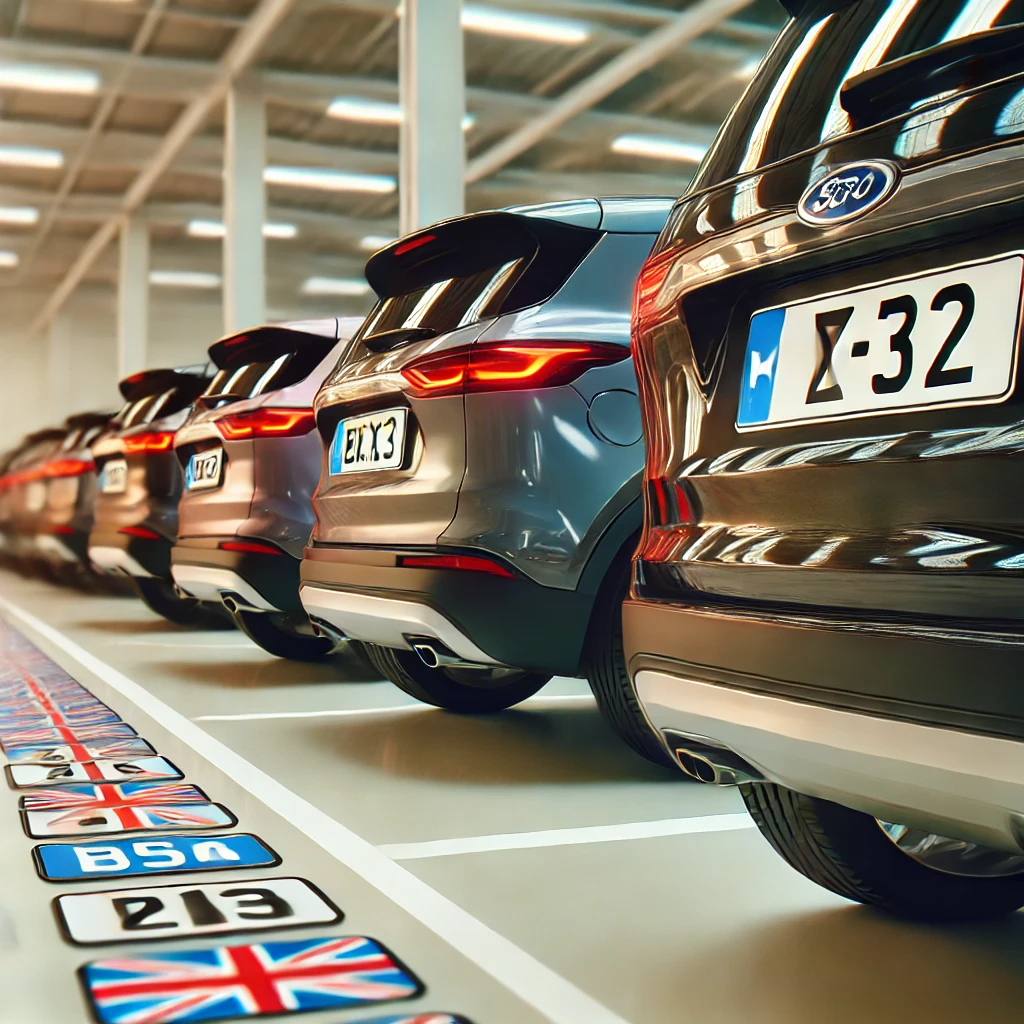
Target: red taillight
508, 366
149, 442
266, 423
63, 468
649, 283
62, 528
670, 521
143, 532
249, 547
473, 563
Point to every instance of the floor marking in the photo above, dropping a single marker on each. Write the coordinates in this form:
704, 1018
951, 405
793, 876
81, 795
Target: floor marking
247, 646
257, 716
533, 982
570, 836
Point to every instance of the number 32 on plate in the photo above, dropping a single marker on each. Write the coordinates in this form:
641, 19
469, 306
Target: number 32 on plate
173, 911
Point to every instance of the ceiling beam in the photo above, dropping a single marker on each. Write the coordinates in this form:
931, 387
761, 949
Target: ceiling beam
696, 20
242, 52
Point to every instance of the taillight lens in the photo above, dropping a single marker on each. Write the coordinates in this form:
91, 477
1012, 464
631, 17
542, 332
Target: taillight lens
142, 532
508, 366
152, 441
62, 468
669, 521
648, 285
266, 423
473, 563
249, 547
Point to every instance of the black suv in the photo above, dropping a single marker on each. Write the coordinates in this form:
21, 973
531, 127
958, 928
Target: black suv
828, 603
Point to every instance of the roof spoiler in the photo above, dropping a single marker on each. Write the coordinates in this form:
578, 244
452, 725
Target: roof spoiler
466, 245
85, 420
152, 382
274, 340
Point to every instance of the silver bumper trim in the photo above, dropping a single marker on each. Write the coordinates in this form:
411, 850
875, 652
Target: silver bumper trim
116, 561
209, 583
387, 621
945, 781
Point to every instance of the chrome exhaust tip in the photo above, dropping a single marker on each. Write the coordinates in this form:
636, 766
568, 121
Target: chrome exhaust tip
435, 654
323, 628
712, 763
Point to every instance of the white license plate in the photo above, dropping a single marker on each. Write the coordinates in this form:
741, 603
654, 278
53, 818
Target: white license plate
204, 470
113, 477
944, 338
374, 441
175, 911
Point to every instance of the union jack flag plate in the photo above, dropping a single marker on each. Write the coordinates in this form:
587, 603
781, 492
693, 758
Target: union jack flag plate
56, 734
417, 1018
114, 795
84, 821
133, 769
96, 750
227, 982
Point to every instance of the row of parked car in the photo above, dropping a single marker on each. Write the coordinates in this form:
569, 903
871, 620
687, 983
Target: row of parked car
807, 582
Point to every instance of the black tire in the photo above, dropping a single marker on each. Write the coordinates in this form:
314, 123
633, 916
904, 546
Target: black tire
465, 690
159, 596
275, 634
847, 852
605, 668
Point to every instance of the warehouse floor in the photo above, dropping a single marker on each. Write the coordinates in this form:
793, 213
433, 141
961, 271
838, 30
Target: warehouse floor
525, 867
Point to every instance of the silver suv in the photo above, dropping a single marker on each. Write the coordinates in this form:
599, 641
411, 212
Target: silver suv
251, 459
480, 498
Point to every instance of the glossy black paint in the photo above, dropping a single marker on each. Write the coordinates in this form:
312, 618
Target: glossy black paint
858, 527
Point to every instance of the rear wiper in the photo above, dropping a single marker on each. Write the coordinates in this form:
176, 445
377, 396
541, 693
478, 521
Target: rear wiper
388, 340
893, 88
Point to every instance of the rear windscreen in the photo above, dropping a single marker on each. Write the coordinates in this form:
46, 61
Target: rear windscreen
446, 304
793, 103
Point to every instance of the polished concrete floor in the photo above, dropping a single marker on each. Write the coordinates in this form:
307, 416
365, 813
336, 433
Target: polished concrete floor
527, 867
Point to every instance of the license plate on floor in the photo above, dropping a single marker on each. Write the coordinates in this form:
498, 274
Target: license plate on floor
944, 338
204, 470
374, 441
114, 477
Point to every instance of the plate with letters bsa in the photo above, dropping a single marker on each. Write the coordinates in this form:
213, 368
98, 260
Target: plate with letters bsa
163, 855
22, 776
180, 911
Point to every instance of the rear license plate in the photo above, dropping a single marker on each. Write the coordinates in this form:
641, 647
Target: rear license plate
114, 477
204, 470
944, 338
374, 441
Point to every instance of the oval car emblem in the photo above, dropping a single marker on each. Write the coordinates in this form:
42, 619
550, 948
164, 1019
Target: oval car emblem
848, 192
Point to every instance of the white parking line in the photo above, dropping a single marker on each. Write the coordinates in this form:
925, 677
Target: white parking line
258, 716
569, 836
532, 981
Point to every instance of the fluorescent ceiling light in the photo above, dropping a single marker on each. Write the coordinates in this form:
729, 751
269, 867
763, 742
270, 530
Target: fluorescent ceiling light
328, 180
216, 229
660, 147
524, 26
31, 156
18, 215
334, 286
375, 242
184, 279
48, 78
355, 108
8, 259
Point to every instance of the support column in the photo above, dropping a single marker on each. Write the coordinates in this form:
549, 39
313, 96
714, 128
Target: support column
432, 89
245, 203
133, 297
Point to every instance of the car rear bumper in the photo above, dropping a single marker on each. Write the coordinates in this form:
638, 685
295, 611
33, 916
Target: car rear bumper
119, 554
933, 767
262, 582
483, 618
61, 546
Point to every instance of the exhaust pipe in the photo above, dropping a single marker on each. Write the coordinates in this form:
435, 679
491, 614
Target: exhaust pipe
321, 627
711, 763
234, 603
435, 654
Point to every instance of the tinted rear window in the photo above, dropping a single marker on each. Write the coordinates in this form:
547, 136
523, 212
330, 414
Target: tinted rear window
792, 104
446, 304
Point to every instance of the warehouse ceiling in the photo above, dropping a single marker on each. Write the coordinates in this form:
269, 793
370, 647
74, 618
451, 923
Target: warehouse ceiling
90, 90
